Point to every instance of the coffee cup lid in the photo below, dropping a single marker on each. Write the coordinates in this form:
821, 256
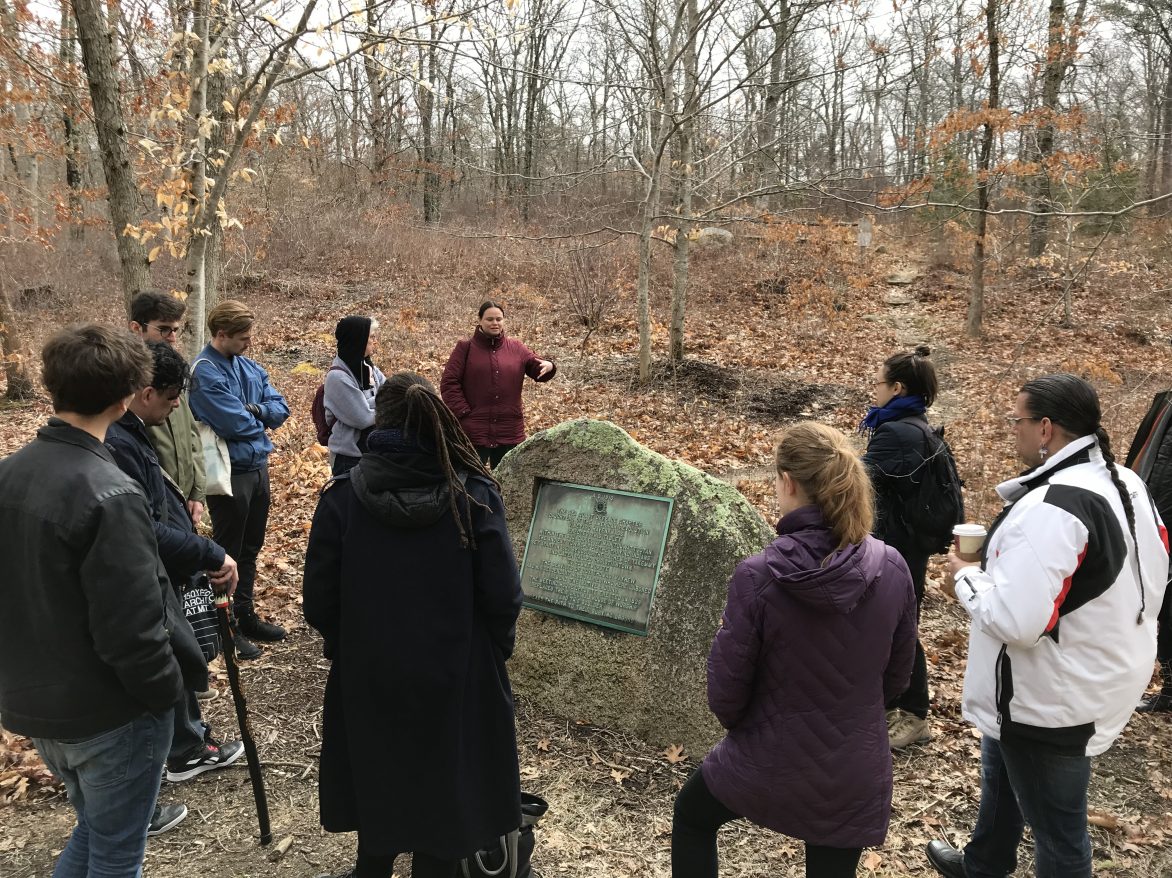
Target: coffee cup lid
969, 530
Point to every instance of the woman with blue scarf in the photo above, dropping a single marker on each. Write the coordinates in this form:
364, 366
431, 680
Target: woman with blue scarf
903, 390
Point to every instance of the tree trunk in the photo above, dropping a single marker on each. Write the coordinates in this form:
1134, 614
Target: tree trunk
687, 138
20, 385
1060, 48
1166, 134
980, 257
122, 193
197, 247
70, 113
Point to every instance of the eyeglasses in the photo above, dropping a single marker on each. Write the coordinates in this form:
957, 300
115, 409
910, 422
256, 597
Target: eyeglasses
165, 330
1013, 421
877, 383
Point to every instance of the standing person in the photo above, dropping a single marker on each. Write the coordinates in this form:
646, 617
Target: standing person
411, 580
482, 385
1063, 632
183, 552
903, 390
86, 665
157, 316
350, 387
818, 633
1150, 457
232, 394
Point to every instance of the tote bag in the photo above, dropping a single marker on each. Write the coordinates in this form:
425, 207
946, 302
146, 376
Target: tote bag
216, 463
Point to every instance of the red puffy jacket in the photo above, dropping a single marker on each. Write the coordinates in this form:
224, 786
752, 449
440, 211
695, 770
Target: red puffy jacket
482, 386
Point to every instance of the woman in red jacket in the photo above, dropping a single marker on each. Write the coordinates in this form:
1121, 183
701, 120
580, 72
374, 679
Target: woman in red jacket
482, 385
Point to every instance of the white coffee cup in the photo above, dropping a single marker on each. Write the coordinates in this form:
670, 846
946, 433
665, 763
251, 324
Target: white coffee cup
968, 539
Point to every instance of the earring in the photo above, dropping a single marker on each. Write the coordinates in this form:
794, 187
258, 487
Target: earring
1043, 451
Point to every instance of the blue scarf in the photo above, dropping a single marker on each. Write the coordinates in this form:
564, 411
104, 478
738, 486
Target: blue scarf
897, 407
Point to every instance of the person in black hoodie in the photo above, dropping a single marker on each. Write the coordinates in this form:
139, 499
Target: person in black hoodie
410, 579
903, 390
184, 554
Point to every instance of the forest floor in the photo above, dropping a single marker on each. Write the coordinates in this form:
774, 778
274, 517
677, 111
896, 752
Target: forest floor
789, 324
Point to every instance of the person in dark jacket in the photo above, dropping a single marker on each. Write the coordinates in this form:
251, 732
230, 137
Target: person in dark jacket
1150, 457
818, 634
233, 395
411, 580
184, 554
86, 665
903, 390
482, 385
349, 389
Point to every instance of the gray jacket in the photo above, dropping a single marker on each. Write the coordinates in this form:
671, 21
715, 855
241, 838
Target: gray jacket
349, 408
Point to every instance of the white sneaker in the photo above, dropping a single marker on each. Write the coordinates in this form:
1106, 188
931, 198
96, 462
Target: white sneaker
907, 729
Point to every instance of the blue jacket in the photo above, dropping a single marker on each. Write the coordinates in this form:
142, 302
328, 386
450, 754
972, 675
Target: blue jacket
221, 387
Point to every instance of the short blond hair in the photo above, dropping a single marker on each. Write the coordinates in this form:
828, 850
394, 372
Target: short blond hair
230, 317
823, 462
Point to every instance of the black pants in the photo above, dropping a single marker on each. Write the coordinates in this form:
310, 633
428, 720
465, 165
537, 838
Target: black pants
699, 814
343, 463
238, 524
491, 457
1164, 638
915, 699
382, 865
190, 729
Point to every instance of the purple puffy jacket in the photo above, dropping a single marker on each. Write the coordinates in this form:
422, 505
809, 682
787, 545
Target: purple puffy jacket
813, 643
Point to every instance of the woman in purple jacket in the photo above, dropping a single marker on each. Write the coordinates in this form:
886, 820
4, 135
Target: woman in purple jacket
482, 385
818, 634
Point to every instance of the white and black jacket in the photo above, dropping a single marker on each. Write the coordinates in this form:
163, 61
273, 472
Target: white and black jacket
1063, 631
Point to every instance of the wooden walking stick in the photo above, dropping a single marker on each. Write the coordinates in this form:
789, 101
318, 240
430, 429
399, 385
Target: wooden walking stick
254, 769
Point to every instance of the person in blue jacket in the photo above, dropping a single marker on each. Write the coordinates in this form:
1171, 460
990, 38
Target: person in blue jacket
232, 394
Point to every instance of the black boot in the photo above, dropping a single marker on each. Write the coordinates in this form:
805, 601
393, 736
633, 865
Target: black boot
946, 859
1161, 702
254, 627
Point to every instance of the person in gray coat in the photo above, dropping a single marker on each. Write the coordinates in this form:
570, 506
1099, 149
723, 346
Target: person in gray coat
350, 386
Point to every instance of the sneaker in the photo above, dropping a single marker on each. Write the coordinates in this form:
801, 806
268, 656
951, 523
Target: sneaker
166, 817
211, 756
1158, 703
208, 694
257, 628
892, 716
246, 650
908, 729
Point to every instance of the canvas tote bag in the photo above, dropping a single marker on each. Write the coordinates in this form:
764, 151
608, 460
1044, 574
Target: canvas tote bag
217, 465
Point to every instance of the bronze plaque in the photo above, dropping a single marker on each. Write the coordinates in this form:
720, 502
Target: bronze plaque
594, 554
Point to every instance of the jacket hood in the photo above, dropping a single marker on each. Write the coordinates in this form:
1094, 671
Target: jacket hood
401, 489
353, 334
805, 562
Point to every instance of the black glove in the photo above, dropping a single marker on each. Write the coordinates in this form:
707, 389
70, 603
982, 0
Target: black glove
253, 409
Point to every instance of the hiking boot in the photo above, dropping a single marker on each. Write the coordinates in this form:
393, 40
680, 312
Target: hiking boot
1158, 703
211, 756
907, 729
892, 716
246, 650
208, 694
946, 859
257, 628
166, 817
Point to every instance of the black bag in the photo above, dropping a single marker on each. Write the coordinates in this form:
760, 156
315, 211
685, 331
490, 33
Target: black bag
935, 504
510, 858
199, 606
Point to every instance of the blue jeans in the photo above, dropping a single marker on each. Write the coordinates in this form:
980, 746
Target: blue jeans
112, 780
1027, 782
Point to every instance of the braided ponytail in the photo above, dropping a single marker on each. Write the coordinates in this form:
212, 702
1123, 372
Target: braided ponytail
409, 402
1128, 511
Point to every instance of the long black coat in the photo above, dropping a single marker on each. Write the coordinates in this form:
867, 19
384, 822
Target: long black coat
419, 749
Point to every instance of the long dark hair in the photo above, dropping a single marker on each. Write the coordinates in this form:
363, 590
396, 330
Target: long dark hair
1072, 404
914, 371
408, 402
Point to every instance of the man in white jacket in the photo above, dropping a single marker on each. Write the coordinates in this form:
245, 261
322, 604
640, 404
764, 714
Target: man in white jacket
1063, 632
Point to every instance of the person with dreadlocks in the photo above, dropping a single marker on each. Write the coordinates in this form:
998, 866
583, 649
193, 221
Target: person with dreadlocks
410, 579
1063, 632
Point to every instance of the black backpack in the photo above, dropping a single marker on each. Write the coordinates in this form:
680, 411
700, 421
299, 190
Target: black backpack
935, 503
